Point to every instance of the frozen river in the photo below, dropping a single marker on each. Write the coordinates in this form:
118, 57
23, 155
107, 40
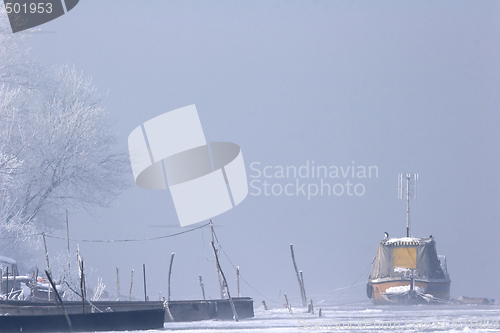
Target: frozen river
360, 317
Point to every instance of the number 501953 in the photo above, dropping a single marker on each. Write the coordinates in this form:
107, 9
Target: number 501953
32, 8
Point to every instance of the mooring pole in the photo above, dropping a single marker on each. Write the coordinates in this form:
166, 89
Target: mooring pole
7, 290
303, 287
14, 279
131, 283
35, 284
81, 284
235, 315
170, 273
117, 285
202, 287
46, 252
238, 280
67, 238
215, 256
288, 305
304, 302
144, 277
60, 300
408, 225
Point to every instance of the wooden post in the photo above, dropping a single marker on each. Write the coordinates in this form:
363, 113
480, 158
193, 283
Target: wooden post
144, 277
235, 315
83, 288
304, 302
215, 256
202, 287
13, 279
60, 300
67, 237
320, 312
167, 306
303, 288
46, 252
36, 281
238, 280
81, 284
265, 305
131, 283
7, 290
84, 284
169, 274
288, 305
311, 307
117, 285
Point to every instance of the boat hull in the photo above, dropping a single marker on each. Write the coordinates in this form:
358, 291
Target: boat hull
438, 289
85, 322
193, 310
25, 308
211, 309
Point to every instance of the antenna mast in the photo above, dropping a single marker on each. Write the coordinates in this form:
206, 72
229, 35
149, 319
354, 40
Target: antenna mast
407, 188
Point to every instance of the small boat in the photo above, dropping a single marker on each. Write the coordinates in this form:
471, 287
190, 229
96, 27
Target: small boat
10, 280
408, 270
85, 322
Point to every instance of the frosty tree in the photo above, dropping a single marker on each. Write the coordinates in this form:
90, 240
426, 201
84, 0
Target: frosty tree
56, 148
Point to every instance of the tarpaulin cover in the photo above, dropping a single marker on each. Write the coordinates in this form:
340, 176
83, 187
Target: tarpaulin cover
396, 256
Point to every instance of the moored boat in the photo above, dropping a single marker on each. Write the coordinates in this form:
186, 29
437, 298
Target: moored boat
408, 270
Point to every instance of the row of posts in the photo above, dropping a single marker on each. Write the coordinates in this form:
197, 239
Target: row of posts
300, 280
223, 286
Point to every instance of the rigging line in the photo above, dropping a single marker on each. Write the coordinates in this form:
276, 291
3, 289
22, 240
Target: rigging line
334, 290
257, 291
23, 236
367, 268
127, 240
203, 247
241, 277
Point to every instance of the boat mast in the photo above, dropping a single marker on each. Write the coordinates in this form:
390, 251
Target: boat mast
407, 189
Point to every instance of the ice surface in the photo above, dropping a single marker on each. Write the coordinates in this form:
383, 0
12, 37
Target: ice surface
356, 317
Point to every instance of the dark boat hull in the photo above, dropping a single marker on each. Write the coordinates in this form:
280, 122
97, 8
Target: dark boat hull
211, 309
52, 308
85, 322
438, 289
181, 311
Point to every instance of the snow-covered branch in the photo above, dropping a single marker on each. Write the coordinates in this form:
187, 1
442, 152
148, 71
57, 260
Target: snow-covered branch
57, 149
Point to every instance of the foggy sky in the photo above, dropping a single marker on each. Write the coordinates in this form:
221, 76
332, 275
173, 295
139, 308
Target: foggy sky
408, 87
